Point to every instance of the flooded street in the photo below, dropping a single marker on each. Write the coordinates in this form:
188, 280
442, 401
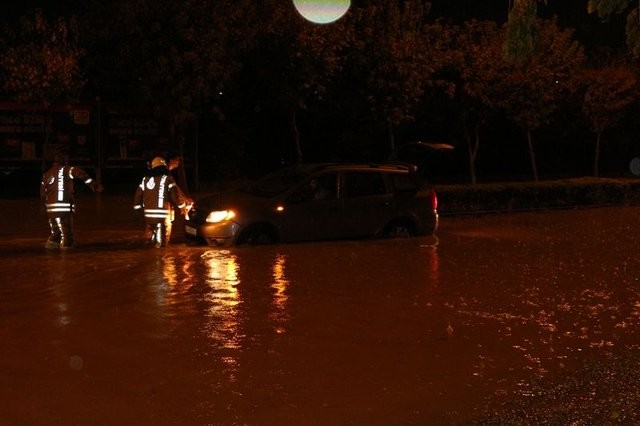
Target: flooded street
418, 331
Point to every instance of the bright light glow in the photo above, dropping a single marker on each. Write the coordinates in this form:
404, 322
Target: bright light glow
223, 301
280, 285
322, 11
219, 216
280, 208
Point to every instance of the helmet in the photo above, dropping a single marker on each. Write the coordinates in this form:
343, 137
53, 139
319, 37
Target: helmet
157, 162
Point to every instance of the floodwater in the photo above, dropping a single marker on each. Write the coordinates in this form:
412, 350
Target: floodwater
397, 332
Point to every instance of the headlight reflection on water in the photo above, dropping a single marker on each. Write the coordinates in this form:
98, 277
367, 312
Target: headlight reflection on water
223, 297
280, 298
203, 289
227, 294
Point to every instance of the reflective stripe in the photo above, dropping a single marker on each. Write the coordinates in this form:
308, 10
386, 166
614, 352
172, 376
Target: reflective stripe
161, 190
61, 184
59, 207
138, 207
156, 213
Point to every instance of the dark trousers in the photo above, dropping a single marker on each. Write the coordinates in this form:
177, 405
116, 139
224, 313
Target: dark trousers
61, 235
159, 233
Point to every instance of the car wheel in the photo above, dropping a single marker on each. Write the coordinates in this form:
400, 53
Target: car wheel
398, 230
255, 236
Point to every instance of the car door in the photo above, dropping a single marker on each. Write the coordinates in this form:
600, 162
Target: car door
313, 210
368, 203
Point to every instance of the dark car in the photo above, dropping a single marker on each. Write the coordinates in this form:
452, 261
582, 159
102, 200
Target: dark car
318, 202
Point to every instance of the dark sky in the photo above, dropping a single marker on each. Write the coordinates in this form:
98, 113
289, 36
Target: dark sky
467, 9
571, 13
590, 30
14, 9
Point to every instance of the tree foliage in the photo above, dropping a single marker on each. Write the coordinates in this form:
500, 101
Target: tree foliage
477, 67
174, 55
531, 91
606, 8
42, 61
391, 57
261, 66
608, 93
294, 59
522, 31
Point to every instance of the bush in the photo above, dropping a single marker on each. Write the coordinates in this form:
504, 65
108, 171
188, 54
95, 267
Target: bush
506, 197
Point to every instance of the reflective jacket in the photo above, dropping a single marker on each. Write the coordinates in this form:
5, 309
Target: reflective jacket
57, 188
156, 195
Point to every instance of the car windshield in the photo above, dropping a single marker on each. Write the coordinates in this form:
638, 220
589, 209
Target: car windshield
276, 183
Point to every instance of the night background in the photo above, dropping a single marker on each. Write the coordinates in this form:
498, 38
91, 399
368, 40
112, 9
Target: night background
244, 87
526, 317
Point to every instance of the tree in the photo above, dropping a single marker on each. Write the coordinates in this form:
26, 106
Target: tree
175, 56
522, 32
606, 8
609, 91
290, 61
41, 64
478, 69
532, 90
391, 60
42, 61
172, 58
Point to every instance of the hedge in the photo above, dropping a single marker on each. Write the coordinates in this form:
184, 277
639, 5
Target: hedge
521, 196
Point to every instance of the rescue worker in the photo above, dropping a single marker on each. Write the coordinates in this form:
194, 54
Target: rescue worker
174, 162
57, 192
156, 196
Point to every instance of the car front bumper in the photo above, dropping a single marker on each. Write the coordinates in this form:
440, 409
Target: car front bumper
222, 234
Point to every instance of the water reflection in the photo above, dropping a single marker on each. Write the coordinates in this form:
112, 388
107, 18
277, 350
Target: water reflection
180, 274
279, 286
430, 247
201, 289
553, 293
170, 270
223, 299
367, 332
59, 280
227, 294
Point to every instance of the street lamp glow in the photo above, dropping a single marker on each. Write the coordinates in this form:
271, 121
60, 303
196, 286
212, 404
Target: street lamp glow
322, 11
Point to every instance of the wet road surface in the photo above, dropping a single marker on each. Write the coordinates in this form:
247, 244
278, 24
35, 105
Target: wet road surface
496, 314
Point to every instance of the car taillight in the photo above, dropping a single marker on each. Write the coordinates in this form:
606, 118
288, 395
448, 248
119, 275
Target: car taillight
434, 200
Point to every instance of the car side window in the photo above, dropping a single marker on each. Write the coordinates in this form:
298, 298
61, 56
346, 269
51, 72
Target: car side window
318, 188
364, 184
403, 182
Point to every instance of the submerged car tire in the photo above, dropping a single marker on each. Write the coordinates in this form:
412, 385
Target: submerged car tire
399, 229
257, 236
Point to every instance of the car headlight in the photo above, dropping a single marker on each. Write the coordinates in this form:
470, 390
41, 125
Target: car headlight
220, 215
